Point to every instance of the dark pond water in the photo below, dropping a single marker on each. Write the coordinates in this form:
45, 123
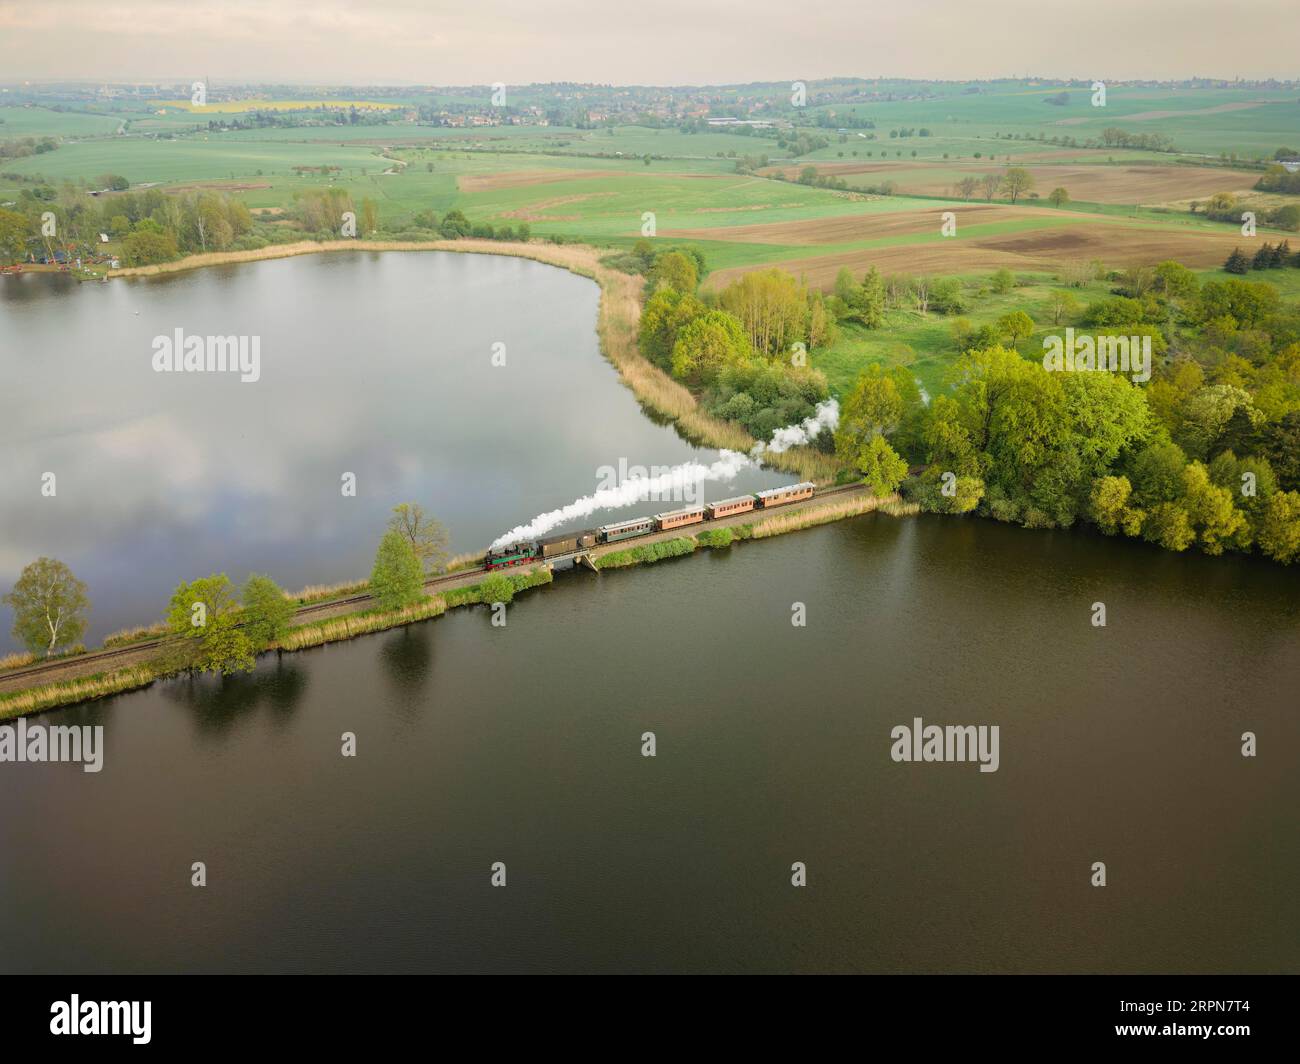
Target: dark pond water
522, 744
480, 744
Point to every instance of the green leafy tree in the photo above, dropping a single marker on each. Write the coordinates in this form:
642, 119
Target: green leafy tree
1168, 526
942, 491
773, 308
369, 219
1058, 197
873, 408
267, 611
644, 250
1003, 281
880, 465
455, 225
1247, 303
1278, 534
204, 615
1107, 417
1250, 480
863, 303
674, 270
1176, 281
666, 313
1281, 446
49, 606
1015, 326
1158, 474
1207, 413
947, 438
15, 229
706, 345
146, 248
1210, 509
1109, 507
397, 578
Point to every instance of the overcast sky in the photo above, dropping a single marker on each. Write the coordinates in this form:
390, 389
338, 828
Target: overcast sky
648, 42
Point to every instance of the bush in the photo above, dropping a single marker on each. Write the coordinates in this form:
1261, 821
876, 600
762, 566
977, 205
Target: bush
647, 554
715, 537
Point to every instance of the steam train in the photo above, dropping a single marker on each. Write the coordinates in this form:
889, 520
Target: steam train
571, 542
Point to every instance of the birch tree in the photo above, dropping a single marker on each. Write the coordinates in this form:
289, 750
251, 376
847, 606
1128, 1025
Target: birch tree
50, 606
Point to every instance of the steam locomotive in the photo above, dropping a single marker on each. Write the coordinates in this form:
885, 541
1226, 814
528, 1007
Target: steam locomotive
527, 552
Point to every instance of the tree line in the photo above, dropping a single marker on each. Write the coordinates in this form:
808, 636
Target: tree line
1207, 454
215, 626
154, 226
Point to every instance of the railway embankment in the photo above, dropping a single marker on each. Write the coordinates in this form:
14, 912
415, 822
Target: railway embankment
106, 673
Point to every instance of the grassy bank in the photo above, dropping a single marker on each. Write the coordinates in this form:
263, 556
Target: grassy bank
774, 525
84, 689
647, 553
499, 587
337, 629
21, 659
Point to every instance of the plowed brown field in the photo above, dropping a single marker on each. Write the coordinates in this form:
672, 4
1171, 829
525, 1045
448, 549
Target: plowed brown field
849, 228
1038, 250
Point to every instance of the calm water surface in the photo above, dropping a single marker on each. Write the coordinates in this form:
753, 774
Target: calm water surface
521, 744
374, 364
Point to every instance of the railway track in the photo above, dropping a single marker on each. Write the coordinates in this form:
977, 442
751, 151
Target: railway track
134, 649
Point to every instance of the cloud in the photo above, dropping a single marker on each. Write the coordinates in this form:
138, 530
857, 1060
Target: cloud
437, 42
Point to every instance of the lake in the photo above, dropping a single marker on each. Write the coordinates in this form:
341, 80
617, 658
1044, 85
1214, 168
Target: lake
379, 365
522, 744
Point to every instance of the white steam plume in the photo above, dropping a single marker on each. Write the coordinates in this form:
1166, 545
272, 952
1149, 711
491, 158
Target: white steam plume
825, 416
670, 484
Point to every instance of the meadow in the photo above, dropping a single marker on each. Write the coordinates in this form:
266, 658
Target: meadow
598, 185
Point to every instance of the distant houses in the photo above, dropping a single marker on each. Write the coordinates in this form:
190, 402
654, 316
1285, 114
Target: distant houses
756, 123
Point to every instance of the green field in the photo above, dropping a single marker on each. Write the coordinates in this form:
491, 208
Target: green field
596, 184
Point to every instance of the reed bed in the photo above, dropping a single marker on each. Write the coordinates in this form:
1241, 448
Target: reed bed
321, 592
16, 661
47, 696
898, 508
20, 660
468, 560
125, 636
779, 524
340, 628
